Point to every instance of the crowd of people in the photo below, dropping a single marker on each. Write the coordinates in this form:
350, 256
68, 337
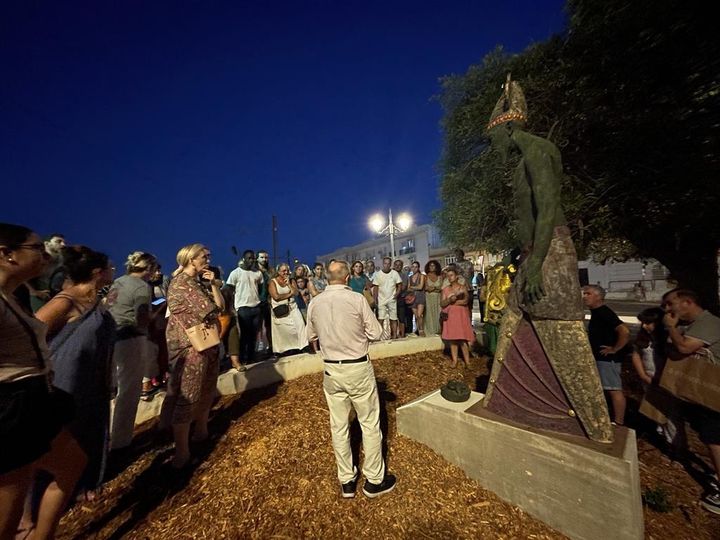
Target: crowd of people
73, 337
677, 331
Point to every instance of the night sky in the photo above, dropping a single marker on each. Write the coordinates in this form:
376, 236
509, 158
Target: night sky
150, 125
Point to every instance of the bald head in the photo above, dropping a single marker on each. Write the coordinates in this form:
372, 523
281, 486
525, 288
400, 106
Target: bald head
338, 272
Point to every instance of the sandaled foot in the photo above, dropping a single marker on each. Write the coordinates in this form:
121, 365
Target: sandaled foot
24, 533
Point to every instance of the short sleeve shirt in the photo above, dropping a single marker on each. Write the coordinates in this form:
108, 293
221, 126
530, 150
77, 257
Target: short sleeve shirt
601, 331
127, 296
247, 285
386, 284
706, 328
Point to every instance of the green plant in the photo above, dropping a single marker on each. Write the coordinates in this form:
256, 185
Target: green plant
657, 499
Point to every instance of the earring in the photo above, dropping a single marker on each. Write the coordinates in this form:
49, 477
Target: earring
10, 259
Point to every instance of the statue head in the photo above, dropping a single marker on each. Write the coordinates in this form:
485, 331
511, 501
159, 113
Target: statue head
510, 112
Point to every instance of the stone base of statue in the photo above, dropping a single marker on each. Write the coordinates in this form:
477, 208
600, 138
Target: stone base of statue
582, 488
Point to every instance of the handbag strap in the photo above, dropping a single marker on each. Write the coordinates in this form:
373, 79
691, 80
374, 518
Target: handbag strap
31, 333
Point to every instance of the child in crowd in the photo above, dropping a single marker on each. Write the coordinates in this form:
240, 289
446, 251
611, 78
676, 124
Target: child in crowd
648, 358
303, 296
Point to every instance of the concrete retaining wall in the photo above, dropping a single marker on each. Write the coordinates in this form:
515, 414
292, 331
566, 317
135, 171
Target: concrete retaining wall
291, 367
583, 489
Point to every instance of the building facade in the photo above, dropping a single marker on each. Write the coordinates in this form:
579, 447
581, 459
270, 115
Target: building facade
419, 243
638, 280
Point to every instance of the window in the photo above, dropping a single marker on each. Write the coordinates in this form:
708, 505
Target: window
408, 246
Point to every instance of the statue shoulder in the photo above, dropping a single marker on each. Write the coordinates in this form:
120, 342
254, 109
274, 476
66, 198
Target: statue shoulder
532, 145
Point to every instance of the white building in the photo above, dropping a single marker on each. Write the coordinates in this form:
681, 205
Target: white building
419, 243
635, 280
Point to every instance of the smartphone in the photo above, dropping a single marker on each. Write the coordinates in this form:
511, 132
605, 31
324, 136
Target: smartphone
158, 301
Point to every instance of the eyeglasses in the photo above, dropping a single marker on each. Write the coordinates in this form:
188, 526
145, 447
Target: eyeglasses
36, 247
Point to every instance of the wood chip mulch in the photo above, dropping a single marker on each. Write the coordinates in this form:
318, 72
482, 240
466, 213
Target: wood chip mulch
269, 472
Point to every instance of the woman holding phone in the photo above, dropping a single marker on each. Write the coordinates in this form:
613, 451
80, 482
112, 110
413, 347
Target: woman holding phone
193, 374
129, 303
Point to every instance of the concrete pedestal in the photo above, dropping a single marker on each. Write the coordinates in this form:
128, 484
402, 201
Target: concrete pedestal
583, 489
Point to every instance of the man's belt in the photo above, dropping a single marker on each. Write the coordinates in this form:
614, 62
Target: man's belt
353, 361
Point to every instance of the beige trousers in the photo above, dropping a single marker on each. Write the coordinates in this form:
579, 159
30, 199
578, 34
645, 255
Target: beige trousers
353, 385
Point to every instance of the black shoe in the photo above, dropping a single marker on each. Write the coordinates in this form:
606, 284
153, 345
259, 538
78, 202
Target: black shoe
348, 489
375, 490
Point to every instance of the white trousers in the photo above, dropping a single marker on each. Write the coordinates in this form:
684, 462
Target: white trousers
353, 385
129, 364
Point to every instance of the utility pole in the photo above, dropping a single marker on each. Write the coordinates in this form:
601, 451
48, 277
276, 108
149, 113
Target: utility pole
274, 240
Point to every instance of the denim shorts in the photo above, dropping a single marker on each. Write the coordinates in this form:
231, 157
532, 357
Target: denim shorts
610, 375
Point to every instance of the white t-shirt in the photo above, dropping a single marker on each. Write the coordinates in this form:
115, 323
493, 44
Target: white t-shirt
247, 286
386, 284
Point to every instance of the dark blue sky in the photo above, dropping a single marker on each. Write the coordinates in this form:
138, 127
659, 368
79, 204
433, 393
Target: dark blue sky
150, 125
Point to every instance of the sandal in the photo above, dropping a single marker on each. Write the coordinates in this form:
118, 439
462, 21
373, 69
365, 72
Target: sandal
148, 395
23, 534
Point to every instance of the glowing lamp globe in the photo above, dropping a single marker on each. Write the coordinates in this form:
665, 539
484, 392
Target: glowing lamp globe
376, 223
404, 221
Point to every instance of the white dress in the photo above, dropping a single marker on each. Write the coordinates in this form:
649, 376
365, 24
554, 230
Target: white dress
288, 332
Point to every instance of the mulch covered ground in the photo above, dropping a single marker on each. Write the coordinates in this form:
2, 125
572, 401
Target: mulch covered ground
269, 472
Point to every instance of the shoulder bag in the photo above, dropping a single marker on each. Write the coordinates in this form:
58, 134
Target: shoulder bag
203, 336
693, 378
282, 310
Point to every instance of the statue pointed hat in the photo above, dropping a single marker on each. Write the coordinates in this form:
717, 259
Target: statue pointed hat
511, 107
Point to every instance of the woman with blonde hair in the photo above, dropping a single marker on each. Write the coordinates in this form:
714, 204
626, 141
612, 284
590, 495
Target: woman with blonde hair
193, 374
129, 303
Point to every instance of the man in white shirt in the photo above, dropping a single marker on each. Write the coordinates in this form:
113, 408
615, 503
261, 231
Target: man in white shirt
344, 323
386, 287
245, 281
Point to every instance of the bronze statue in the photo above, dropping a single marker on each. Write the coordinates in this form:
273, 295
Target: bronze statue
544, 374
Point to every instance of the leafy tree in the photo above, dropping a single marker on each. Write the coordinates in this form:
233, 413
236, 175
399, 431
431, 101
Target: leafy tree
630, 92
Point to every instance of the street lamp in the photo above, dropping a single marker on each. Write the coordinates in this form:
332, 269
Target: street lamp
377, 224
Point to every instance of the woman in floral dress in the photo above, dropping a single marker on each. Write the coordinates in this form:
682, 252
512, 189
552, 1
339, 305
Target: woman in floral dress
193, 374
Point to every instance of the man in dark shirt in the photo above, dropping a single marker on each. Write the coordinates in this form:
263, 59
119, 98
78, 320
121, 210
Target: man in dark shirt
608, 337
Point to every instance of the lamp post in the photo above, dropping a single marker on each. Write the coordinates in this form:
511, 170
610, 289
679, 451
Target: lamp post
377, 224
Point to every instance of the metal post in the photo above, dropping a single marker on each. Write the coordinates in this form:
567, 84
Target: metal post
274, 240
391, 227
